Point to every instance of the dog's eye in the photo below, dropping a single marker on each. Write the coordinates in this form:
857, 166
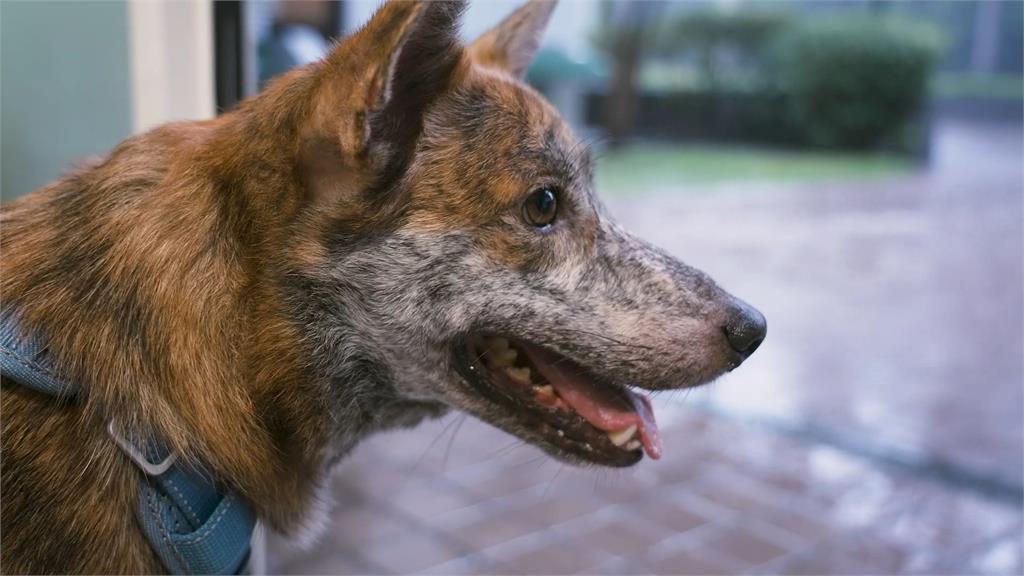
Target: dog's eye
541, 207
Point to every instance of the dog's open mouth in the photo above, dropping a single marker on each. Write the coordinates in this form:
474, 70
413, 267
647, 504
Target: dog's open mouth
557, 399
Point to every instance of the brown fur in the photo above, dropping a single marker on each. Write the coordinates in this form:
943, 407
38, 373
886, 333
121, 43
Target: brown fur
149, 276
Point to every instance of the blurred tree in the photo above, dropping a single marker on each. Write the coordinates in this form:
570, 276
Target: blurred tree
726, 45
624, 37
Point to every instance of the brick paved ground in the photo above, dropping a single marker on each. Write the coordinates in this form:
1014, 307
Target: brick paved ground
734, 498
878, 430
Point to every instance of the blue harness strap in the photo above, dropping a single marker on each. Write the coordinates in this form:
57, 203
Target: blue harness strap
193, 525
26, 361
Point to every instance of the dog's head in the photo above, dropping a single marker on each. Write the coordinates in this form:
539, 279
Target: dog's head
459, 255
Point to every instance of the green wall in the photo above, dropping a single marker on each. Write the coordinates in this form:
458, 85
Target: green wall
65, 92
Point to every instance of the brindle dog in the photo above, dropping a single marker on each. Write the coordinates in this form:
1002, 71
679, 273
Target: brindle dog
399, 229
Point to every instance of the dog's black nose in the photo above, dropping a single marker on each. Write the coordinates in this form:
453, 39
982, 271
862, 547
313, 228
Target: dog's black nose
745, 328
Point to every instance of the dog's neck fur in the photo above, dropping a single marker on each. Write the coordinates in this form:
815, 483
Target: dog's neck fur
204, 354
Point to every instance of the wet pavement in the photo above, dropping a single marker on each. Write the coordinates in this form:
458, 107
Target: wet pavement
877, 430
895, 309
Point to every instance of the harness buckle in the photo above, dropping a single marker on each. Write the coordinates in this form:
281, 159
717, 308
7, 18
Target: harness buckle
137, 456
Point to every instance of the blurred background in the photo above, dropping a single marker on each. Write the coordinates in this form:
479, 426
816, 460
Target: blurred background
852, 168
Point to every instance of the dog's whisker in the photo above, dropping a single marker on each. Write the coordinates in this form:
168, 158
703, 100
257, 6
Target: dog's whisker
423, 456
451, 441
542, 458
503, 450
552, 481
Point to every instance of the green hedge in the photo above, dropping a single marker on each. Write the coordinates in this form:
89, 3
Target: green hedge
856, 82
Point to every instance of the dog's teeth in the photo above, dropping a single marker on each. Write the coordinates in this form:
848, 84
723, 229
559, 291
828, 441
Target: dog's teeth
620, 437
503, 358
497, 343
633, 445
500, 354
545, 390
521, 375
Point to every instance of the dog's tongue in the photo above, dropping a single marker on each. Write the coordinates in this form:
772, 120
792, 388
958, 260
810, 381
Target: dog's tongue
604, 408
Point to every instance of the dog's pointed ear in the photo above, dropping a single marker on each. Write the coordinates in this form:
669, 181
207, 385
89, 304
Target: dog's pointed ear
372, 89
512, 44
